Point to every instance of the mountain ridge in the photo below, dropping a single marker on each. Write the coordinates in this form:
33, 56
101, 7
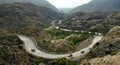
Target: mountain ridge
98, 6
35, 2
17, 15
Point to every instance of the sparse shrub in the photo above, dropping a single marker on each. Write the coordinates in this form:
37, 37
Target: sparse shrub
118, 33
37, 62
87, 63
1, 64
113, 52
62, 61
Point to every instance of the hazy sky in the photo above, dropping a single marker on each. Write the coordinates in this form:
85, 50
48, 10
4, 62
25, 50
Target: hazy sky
68, 3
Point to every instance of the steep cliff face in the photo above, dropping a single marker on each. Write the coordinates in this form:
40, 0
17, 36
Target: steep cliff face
35, 2
99, 6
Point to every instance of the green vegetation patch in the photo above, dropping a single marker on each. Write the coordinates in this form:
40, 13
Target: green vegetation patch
65, 41
114, 52
58, 34
86, 63
76, 39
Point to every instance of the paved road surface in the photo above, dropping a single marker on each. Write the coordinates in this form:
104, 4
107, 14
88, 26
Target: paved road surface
30, 44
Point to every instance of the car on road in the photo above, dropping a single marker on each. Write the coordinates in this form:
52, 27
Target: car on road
33, 50
90, 48
70, 55
82, 52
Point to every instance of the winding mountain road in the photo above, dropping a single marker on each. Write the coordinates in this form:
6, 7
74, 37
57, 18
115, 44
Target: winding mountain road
67, 30
30, 44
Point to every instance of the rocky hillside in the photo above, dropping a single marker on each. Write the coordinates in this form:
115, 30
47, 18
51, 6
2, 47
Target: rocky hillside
99, 6
106, 60
109, 45
25, 14
107, 51
96, 22
35, 2
12, 52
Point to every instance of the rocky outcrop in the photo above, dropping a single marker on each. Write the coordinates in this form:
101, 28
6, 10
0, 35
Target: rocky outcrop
12, 52
107, 51
109, 45
106, 60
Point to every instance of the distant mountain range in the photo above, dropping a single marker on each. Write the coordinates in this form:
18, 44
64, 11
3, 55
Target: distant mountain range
35, 2
65, 10
99, 6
